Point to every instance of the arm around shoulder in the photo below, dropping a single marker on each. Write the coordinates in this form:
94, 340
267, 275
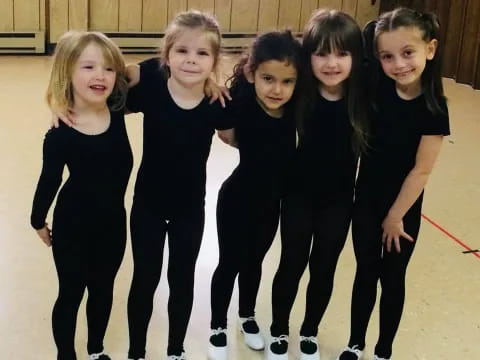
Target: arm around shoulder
133, 74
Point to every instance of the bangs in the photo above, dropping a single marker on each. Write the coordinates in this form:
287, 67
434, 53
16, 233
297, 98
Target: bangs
330, 42
331, 31
110, 59
112, 56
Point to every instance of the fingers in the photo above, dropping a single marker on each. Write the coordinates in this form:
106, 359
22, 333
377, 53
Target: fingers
225, 92
217, 96
387, 240
408, 237
221, 99
47, 241
55, 122
215, 93
213, 98
67, 118
388, 243
46, 235
397, 243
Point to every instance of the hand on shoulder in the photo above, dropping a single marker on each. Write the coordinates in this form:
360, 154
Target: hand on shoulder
133, 74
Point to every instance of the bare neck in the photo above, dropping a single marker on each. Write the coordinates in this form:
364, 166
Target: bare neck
186, 97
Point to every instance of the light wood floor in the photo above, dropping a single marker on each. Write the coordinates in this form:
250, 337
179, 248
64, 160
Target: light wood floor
441, 319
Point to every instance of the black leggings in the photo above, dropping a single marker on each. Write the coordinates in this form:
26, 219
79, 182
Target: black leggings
85, 261
301, 220
375, 263
148, 231
246, 229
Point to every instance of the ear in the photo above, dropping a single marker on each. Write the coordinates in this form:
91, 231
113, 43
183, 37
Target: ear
249, 75
432, 49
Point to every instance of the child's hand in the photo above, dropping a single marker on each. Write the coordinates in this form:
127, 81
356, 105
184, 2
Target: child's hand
215, 92
392, 232
227, 136
133, 74
67, 117
45, 234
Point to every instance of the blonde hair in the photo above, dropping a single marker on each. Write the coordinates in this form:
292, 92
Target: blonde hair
69, 48
193, 20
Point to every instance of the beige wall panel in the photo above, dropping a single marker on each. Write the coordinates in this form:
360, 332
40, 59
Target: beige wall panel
289, 14
330, 4
104, 15
130, 15
176, 6
58, 19
244, 15
154, 15
204, 5
43, 17
268, 15
308, 7
6, 15
78, 14
366, 11
26, 15
350, 7
223, 11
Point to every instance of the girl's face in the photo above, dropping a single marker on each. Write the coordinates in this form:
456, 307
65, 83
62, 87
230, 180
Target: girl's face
191, 58
274, 84
331, 69
93, 79
404, 54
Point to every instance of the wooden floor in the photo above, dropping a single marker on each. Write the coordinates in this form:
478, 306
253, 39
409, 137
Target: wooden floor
441, 319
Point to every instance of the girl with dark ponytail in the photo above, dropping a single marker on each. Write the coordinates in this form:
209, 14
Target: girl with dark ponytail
410, 121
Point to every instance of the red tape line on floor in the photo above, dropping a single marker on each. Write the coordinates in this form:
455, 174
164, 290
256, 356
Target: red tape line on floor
451, 236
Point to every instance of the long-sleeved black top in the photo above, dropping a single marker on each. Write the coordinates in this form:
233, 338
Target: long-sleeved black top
99, 168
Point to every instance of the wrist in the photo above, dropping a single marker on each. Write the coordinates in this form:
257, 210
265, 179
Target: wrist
394, 215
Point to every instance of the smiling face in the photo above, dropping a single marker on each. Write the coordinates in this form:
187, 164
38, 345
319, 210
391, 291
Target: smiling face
403, 54
191, 58
274, 84
331, 68
92, 78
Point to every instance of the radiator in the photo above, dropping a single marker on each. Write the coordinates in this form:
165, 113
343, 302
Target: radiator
132, 42
22, 42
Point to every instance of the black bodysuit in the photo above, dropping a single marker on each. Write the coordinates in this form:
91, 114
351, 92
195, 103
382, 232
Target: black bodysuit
397, 130
169, 198
248, 204
89, 224
316, 215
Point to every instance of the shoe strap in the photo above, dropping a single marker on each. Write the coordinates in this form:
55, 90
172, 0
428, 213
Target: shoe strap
312, 339
95, 356
219, 331
245, 319
279, 339
355, 350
